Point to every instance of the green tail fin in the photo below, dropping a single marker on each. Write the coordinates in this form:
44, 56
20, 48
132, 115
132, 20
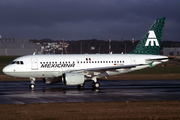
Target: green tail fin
150, 43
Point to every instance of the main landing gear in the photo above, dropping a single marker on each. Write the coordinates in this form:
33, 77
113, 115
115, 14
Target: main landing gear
81, 86
32, 85
95, 85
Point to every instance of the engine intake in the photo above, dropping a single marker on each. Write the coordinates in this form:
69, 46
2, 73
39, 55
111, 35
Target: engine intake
72, 78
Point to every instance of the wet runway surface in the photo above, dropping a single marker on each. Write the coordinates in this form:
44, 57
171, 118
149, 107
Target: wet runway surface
18, 92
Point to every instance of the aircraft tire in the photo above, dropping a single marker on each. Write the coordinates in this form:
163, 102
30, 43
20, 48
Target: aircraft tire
31, 86
81, 86
96, 85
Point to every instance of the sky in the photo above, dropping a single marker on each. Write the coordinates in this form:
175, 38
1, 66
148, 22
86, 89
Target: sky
87, 19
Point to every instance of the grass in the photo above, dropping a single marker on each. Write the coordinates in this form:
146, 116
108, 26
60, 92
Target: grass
145, 110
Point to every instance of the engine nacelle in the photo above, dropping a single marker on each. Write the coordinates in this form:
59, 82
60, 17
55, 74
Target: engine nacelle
72, 78
52, 80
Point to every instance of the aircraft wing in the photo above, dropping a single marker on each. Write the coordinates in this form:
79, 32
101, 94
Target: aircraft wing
113, 67
104, 69
158, 60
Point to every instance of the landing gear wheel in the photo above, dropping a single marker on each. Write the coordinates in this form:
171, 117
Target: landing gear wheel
95, 85
81, 86
31, 86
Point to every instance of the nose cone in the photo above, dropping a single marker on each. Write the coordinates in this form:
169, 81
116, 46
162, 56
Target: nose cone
7, 70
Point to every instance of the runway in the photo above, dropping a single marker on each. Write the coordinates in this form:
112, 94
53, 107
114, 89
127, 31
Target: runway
18, 92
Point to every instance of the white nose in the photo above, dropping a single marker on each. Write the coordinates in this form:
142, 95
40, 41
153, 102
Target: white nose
6, 70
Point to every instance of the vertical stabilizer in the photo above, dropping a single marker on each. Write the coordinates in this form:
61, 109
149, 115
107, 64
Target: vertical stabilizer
150, 44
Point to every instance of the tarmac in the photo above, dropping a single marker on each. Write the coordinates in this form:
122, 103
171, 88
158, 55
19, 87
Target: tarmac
18, 92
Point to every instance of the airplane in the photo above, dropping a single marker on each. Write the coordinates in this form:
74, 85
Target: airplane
76, 69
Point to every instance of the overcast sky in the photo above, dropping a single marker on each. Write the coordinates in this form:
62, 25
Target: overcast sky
87, 19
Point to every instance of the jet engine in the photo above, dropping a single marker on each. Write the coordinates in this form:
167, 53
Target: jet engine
72, 78
52, 80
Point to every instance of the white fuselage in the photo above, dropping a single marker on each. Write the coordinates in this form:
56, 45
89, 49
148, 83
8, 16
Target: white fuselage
50, 66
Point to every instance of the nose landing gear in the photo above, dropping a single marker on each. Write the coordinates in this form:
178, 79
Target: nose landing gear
32, 85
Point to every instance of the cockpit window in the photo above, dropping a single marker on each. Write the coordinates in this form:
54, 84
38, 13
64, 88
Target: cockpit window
18, 62
13, 62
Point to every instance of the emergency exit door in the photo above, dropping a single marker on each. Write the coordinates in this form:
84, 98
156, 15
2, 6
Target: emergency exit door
133, 59
34, 63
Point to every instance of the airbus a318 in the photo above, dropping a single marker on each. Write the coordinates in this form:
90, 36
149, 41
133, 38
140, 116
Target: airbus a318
76, 69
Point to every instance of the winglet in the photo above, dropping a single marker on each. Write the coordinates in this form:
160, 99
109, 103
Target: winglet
151, 64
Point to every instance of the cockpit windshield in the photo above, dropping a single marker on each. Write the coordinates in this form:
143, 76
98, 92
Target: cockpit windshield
13, 62
17, 62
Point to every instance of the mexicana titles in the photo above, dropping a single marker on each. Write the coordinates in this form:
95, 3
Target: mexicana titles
51, 65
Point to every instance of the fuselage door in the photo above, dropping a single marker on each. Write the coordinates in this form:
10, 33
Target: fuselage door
133, 59
34, 63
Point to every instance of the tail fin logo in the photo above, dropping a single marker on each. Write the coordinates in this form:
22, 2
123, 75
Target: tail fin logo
152, 38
